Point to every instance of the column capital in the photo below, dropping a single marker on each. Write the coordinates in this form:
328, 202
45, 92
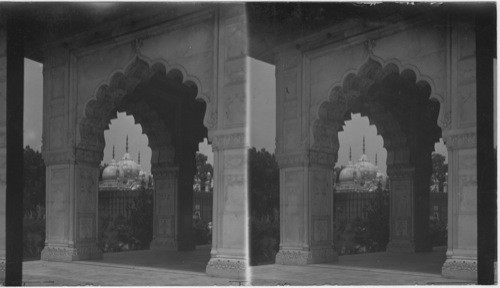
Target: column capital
92, 157
56, 157
307, 158
162, 170
460, 139
233, 140
396, 172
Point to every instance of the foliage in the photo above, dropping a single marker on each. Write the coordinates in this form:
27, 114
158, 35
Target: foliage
264, 183
129, 233
141, 219
438, 232
34, 182
202, 169
265, 239
33, 204
33, 237
264, 206
201, 232
370, 234
439, 169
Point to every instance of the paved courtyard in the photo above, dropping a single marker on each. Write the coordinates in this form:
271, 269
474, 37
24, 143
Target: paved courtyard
362, 269
153, 268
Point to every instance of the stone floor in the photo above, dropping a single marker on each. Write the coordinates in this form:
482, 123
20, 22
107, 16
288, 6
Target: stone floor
362, 269
153, 268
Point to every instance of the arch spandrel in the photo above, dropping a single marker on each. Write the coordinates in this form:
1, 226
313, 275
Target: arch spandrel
357, 92
109, 97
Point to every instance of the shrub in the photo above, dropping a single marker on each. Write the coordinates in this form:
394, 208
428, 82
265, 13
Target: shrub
201, 232
265, 239
33, 237
438, 232
370, 234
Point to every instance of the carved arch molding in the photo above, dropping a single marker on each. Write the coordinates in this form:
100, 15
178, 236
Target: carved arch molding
161, 101
394, 101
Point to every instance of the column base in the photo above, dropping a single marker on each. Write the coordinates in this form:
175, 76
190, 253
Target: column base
68, 254
2, 271
460, 268
400, 246
227, 268
300, 257
164, 244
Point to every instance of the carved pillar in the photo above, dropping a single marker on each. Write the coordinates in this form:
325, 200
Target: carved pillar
71, 206
461, 256
3, 147
71, 173
165, 217
306, 174
460, 139
409, 201
229, 255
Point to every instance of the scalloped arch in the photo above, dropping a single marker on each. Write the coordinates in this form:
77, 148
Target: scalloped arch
356, 90
109, 95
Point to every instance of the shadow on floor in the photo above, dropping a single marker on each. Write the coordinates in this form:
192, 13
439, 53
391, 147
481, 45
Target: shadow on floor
429, 262
192, 261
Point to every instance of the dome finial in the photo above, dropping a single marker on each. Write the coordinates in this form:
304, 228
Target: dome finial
126, 145
350, 154
363, 144
113, 151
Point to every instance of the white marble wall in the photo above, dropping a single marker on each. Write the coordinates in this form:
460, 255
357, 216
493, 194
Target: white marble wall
415, 45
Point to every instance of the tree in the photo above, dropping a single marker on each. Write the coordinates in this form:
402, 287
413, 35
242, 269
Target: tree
202, 169
439, 169
264, 206
34, 182
264, 183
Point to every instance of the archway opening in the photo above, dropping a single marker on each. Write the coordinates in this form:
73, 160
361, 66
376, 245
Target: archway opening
126, 188
360, 190
401, 108
166, 106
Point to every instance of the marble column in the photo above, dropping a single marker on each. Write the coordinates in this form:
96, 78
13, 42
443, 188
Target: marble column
165, 208
227, 133
461, 256
72, 172
229, 254
460, 137
306, 174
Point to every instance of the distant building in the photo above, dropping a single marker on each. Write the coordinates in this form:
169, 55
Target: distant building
362, 176
125, 174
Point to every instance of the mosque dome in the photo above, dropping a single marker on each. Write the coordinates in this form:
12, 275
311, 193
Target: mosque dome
128, 168
363, 176
110, 172
348, 173
366, 170
123, 173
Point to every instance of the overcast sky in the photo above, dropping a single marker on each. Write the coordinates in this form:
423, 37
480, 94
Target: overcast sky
262, 130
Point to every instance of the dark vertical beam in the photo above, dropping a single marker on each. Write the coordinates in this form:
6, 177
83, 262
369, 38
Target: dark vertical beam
15, 183
486, 152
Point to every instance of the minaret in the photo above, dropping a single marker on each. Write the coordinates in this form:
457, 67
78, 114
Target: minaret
363, 144
113, 151
126, 145
375, 159
139, 158
350, 154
